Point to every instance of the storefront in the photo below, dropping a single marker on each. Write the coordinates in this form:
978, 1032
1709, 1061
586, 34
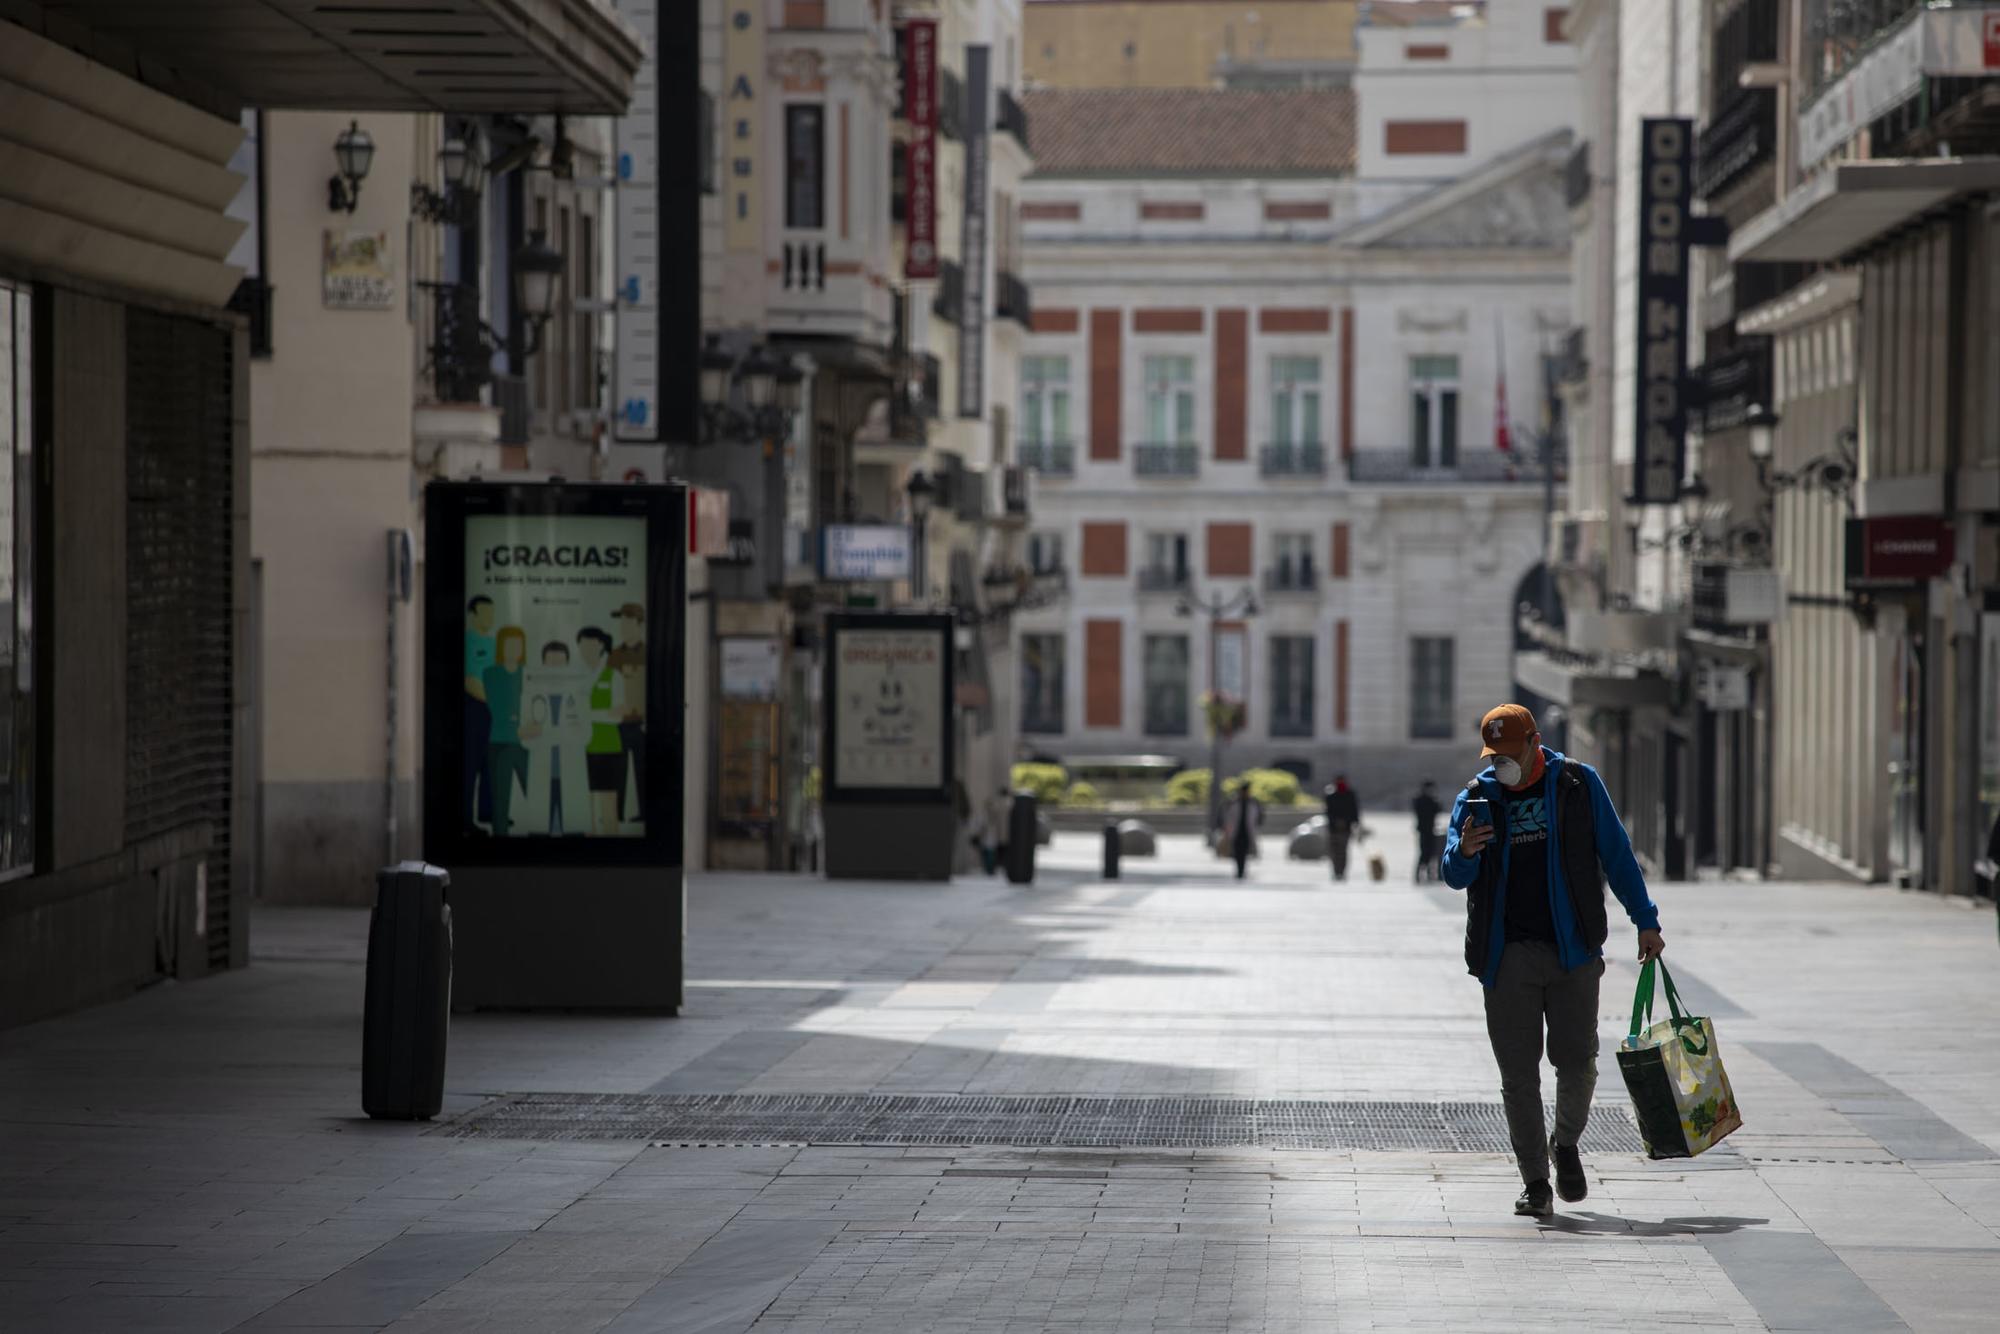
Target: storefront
127, 818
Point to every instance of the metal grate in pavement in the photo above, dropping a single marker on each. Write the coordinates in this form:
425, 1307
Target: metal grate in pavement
1134, 1123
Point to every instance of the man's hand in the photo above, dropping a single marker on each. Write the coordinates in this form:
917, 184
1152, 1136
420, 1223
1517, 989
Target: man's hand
1651, 945
1473, 838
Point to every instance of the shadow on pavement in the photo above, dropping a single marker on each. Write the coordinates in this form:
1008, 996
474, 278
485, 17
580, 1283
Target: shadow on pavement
1584, 1224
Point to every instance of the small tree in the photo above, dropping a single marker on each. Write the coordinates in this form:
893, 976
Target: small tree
1047, 781
1272, 787
1189, 787
1082, 795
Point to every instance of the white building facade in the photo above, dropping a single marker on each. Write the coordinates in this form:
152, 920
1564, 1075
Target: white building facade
1263, 396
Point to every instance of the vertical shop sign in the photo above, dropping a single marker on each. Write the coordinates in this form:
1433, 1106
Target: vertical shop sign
972, 237
636, 325
920, 112
1659, 442
742, 70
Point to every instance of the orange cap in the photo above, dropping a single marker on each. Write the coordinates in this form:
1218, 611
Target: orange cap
1507, 727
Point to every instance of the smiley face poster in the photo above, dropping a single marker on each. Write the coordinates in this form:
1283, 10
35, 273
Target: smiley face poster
889, 718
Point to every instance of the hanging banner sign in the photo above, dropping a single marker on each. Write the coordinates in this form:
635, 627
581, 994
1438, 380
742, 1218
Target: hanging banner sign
1659, 440
920, 113
636, 227
972, 237
742, 75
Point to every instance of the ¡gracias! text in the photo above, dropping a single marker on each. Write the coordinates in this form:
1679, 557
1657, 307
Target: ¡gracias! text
523, 556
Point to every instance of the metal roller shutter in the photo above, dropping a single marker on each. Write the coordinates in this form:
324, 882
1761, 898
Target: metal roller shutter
179, 668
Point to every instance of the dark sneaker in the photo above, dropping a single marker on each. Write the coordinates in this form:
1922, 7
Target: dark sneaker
1571, 1183
1536, 1201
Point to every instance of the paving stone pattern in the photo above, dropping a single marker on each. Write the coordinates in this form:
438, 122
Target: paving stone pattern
193, 1158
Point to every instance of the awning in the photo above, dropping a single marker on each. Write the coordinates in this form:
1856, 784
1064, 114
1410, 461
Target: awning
1847, 206
461, 56
1590, 686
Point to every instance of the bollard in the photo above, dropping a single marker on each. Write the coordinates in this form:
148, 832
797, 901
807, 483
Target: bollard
1110, 849
1021, 839
407, 1011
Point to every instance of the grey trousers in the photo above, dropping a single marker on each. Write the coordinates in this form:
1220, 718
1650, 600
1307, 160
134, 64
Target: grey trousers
1530, 993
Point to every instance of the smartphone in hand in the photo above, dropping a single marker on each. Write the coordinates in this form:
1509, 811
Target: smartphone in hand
1480, 811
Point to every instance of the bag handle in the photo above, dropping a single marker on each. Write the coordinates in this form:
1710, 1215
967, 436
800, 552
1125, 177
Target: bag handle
1642, 999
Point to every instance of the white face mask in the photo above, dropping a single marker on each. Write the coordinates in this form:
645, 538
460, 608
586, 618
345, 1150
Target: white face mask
1507, 770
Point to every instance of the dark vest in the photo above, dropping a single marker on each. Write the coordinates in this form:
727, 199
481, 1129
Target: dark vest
1576, 835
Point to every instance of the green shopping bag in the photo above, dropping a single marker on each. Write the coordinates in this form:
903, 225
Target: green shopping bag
1680, 1094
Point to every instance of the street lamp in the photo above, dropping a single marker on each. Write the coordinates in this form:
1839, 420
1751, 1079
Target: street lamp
773, 390
462, 173
1217, 609
921, 492
536, 268
353, 153
791, 387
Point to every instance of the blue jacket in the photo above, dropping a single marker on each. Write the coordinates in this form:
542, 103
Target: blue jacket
1486, 873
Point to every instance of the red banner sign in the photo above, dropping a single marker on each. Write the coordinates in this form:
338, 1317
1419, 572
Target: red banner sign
920, 112
1900, 551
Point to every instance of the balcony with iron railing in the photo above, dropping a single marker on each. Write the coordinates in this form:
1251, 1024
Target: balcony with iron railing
1740, 137
1733, 385
1051, 458
949, 300
1401, 467
1012, 117
1292, 460
1158, 460
1286, 578
1838, 33
1164, 579
1012, 301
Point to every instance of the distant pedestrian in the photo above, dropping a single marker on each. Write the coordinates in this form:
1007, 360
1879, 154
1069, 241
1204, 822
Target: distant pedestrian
1245, 814
1535, 931
1343, 817
1427, 809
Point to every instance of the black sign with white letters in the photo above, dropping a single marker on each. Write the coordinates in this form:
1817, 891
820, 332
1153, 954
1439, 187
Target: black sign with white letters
1659, 443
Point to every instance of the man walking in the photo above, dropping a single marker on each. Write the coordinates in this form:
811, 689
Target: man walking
1426, 807
1245, 814
1535, 868
1343, 817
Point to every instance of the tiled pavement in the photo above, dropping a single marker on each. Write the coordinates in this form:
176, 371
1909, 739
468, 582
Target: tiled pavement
192, 1159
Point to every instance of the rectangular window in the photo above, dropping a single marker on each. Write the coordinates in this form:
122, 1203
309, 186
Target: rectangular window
1166, 685
17, 543
1167, 560
1434, 412
1431, 685
805, 167
1042, 683
1295, 400
1045, 552
1045, 400
1169, 400
1294, 561
1291, 685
